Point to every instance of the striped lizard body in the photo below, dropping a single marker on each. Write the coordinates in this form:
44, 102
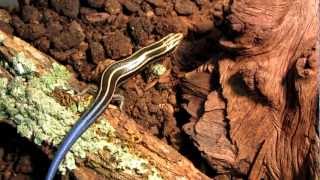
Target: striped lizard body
112, 76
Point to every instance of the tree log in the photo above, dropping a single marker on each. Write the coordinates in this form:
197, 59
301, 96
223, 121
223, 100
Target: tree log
30, 85
262, 121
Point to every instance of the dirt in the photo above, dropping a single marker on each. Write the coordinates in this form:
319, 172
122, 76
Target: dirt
85, 34
117, 45
184, 7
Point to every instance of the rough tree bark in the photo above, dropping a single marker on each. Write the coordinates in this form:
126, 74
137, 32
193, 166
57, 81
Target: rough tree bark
261, 121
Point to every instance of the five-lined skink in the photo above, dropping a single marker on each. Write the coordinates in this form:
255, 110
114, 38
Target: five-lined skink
112, 76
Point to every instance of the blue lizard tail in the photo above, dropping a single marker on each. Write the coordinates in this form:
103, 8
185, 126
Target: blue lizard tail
78, 129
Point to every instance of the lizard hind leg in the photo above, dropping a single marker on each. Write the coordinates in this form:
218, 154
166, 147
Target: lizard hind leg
119, 100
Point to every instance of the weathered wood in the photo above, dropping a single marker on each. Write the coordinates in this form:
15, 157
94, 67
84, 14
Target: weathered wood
262, 121
162, 160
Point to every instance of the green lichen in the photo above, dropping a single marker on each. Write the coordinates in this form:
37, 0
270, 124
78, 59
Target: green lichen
57, 78
154, 175
22, 66
3, 85
126, 160
158, 69
27, 101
